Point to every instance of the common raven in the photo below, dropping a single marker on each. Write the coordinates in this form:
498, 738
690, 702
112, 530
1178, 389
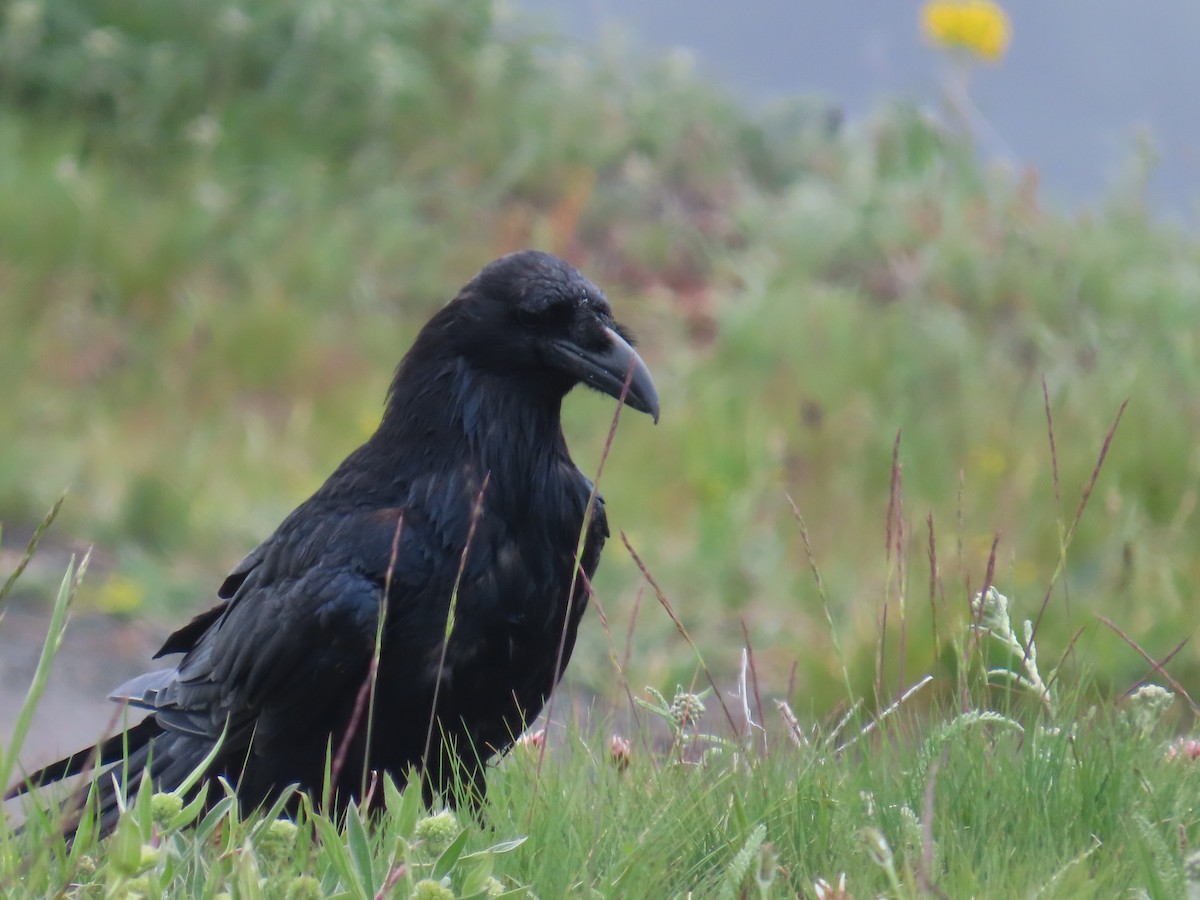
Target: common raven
462, 518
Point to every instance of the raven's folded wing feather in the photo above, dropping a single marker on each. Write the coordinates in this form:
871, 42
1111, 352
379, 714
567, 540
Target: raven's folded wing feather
275, 658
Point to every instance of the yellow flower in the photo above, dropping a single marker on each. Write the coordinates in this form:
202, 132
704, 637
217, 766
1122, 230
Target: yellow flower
120, 595
980, 26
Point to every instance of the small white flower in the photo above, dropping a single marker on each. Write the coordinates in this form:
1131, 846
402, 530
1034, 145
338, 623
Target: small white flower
211, 197
1191, 868
103, 43
233, 21
24, 15
1149, 703
992, 609
681, 63
203, 131
67, 170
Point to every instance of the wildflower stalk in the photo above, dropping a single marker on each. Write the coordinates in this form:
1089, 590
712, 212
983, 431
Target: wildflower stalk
991, 616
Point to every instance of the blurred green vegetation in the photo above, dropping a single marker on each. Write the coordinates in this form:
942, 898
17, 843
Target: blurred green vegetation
220, 227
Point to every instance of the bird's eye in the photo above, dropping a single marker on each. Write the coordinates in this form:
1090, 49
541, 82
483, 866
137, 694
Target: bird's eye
556, 314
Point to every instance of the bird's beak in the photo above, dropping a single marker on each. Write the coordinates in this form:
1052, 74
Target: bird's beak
610, 369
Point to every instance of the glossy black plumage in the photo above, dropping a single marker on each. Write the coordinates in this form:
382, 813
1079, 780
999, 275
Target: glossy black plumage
471, 423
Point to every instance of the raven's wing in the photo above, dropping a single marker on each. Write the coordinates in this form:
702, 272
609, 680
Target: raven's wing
273, 671
186, 637
282, 658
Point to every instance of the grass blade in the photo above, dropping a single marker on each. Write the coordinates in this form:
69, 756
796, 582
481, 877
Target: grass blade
29, 550
449, 858
50, 648
360, 851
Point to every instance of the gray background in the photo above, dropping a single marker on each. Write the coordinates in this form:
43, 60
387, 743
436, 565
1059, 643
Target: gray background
1081, 77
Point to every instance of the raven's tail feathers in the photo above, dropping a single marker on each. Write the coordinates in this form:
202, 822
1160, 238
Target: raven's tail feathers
168, 759
102, 754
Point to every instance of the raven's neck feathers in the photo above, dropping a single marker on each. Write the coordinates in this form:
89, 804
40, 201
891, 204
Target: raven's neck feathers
443, 415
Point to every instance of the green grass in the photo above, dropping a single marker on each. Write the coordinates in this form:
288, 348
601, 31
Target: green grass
218, 234
1012, 789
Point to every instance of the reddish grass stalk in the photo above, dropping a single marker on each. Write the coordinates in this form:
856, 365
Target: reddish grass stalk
476, 514
1070, 533
1162, 662
368, 793
974, 647
577, 569
812, 565
393, 876
794, 731
620, 665
1062, 547
365, 698
1087, 491
1156, 666
934, 582
925, 865
1063, 657
679, 626
958, 537
339, 758
891, 509
896, 512
754, 682
879, 654
637, 606
588, 512
1053, 450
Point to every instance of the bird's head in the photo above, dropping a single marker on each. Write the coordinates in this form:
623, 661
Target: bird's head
531, 316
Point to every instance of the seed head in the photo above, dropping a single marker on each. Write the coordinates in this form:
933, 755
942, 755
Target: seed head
438, 831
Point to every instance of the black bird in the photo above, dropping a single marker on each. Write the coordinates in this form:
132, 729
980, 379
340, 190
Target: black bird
465, 494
